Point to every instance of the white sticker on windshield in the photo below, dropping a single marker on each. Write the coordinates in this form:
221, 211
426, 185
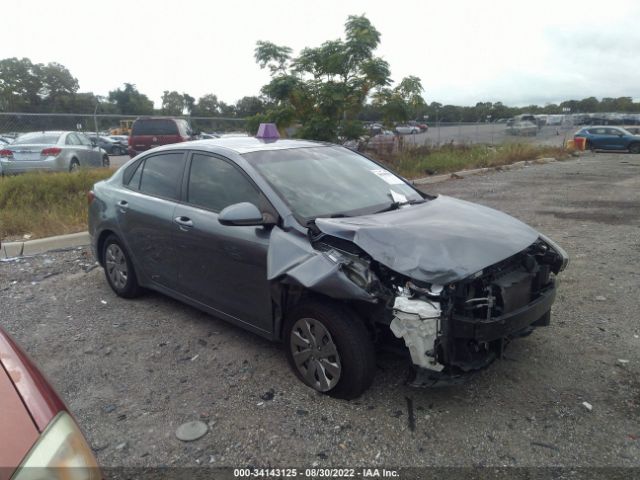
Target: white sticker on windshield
397, 197
388, 177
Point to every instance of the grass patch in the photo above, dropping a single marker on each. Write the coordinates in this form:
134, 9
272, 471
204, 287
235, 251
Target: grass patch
43, 204
423, 161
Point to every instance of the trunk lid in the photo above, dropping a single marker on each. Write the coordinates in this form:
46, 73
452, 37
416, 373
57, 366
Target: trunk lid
31, 152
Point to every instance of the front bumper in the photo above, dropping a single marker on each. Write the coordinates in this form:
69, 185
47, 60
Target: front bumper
506, 325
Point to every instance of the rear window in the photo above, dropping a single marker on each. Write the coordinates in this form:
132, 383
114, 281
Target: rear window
154, 127
37, 137
160, 175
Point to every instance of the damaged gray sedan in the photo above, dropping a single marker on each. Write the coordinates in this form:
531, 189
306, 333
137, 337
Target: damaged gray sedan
327, 251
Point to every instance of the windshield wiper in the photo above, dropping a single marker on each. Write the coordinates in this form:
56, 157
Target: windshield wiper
397, 205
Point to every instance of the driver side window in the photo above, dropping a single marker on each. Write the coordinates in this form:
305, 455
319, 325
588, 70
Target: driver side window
72, 139
215, 184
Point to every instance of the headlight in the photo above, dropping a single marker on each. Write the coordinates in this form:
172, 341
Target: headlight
559, 250
61, 453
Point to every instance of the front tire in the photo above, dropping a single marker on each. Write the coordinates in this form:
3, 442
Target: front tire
330, 349
634, 148
74, 166
118, 269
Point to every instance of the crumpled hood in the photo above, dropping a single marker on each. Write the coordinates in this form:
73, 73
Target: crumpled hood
440, 241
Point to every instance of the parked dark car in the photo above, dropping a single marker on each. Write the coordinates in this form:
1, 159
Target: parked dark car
150, 132
40, 439
609, 138
320, 247
109, 145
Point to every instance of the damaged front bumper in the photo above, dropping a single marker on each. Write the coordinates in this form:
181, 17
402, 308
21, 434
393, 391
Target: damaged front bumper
465, 326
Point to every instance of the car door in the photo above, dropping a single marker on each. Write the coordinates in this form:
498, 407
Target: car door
72, 142
145, 211
616, 139
598, 138
223, 267
93, 155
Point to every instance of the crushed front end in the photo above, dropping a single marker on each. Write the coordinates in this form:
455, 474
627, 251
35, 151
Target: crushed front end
465, 325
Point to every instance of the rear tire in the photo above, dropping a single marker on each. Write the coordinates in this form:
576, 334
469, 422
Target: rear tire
118, 269
634, 148
329, 348
105, 161
589, 146
74, 166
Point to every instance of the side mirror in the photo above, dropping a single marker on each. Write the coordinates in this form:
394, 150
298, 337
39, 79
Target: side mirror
241, 214
94, 143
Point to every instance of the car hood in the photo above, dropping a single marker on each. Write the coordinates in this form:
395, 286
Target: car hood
440, 241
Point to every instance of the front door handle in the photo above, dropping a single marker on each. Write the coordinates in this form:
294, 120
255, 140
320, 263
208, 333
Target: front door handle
183, 222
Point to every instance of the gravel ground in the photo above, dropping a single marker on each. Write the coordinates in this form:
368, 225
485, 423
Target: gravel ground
133, 371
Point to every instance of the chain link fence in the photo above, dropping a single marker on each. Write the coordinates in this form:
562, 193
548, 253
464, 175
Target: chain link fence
13, 124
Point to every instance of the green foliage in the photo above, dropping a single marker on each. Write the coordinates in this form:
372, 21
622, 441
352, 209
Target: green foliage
25, 86
173, 103
44, 204
401, 103
272, 56
324, 88
129, 101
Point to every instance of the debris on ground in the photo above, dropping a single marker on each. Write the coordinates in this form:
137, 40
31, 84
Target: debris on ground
190, 431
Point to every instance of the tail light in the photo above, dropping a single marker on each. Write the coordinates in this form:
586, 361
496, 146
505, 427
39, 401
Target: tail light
6, 153
91, 196
51, 152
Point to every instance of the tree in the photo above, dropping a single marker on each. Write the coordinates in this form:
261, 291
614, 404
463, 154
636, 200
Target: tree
19, 86
249, 106
172, 103
402, 102
130, 101
207, 106
58, 86
324, 88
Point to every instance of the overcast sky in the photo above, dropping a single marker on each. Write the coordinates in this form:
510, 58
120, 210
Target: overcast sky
464, 51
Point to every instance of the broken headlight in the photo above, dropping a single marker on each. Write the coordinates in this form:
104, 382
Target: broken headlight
563, 259
355, 268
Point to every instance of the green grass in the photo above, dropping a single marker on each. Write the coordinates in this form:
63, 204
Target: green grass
422, 162
43, 204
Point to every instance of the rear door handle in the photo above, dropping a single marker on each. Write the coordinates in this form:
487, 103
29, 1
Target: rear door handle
183, 222
123, 204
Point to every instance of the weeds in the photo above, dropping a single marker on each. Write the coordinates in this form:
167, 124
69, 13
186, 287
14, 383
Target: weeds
43, 204
423, 161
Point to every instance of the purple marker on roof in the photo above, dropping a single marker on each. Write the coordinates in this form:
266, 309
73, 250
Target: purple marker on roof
268, 131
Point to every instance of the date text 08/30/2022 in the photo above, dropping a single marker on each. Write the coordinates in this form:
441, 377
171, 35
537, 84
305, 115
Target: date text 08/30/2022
315, 473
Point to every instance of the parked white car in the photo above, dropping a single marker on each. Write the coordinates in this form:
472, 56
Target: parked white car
407, 129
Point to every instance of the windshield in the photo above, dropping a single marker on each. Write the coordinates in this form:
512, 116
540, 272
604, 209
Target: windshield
330, 181
37, 138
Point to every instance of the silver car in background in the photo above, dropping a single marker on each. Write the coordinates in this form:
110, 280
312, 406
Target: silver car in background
56, 151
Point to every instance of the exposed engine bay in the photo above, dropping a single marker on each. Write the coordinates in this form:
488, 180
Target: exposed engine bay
464, 325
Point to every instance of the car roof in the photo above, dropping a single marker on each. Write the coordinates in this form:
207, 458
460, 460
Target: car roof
54, 132
243, 145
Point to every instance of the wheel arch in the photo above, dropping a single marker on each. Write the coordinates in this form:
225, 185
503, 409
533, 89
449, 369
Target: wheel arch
286, 297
